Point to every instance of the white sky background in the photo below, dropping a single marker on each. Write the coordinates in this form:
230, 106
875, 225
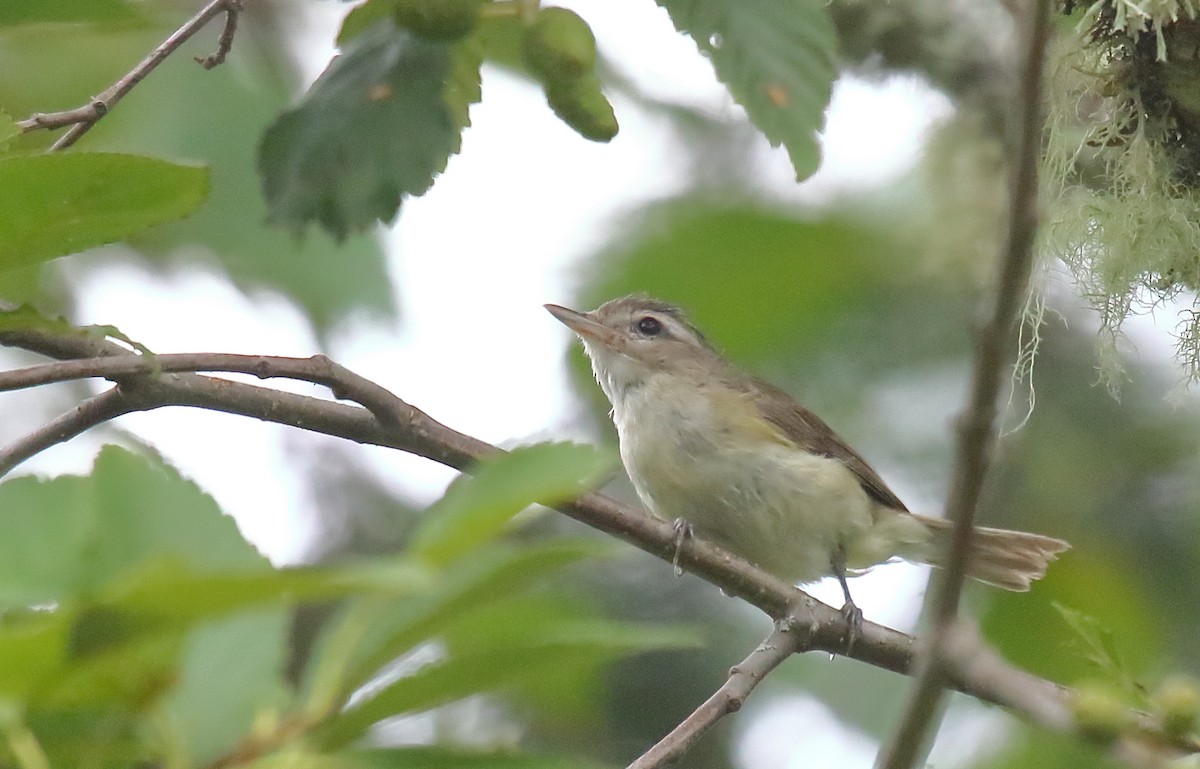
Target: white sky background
475, 348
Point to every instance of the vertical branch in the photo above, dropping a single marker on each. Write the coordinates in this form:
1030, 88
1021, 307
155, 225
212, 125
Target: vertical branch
977, 427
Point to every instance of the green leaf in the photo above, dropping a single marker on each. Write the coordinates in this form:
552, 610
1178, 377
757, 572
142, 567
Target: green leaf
363, 17
68, 536
475, 508
379, 124
231, 672
1107, 604
777, 57
32, 646
57, 204
169, 588
371, 633
1100, 645
14, 12
485, 668
573, 691
426, 757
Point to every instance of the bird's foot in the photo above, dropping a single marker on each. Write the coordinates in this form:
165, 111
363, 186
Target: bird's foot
854, 619
683, 530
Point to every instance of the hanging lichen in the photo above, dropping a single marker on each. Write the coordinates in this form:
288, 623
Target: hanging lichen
1121, 173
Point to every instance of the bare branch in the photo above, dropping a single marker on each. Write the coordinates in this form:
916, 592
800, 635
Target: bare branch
94, 411
318, 369
81, 119
977, 429
233, 9
788, 637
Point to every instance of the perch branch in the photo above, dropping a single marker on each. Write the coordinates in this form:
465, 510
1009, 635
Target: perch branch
977, 429
82, 118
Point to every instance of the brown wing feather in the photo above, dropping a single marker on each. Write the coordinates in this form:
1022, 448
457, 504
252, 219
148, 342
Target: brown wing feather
809, 432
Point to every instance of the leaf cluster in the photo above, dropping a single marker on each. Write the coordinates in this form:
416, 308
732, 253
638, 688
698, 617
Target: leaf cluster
137, 625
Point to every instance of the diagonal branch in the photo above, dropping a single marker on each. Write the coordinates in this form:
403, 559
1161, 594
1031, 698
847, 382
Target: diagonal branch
82, 118
94, 411
977, 428
788, 637
409, 429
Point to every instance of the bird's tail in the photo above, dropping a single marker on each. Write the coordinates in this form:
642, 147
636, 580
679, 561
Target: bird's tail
1000, 557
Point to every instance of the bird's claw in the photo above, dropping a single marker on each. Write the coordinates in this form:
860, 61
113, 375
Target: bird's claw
683, 530
854, 619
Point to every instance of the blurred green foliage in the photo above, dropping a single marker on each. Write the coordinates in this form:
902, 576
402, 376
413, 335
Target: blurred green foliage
185, 113
137, 626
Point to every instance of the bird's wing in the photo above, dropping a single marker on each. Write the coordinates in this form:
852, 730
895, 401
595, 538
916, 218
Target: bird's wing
809, 432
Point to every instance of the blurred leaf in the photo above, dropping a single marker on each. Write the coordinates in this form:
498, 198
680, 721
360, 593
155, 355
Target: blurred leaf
145, 614
33, 644
426, 757
167, 588
214, 117
475, 508
379, 124
363, 17
1033, 635
57, 204
231, 673
114, 659
1100, 645
371, 633
572, 691
487, 667
777, 58
499, 40
67, 11
66, 536
1036, 748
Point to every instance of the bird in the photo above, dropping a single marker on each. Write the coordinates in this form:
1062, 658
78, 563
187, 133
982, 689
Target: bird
739, 461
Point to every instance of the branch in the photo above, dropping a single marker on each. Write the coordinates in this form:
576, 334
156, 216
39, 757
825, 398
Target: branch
787, 638
81, 119
977, 429
409, 429
317, 369
94, 411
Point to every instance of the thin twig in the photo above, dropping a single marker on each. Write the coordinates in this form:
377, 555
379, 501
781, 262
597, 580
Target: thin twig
233, 10
411, 430
81, 119
977, 429
787, 638
96, 410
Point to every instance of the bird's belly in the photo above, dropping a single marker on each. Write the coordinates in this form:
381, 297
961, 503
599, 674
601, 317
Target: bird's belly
775, 505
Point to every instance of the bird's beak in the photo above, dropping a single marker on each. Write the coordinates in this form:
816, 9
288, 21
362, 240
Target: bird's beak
583, 324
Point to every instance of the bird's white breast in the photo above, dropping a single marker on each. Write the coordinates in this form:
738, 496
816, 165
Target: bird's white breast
706, 456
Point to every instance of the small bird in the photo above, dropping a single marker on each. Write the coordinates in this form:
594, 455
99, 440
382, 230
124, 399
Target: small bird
740, 461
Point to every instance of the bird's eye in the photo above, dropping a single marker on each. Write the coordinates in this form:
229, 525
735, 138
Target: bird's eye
649, 326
